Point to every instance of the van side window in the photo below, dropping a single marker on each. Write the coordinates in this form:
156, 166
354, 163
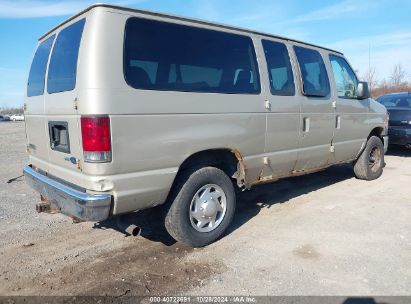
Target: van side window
63, 61
149, 66
195, 74
313, 73
37, 75
279, 68
345, 80
173, 57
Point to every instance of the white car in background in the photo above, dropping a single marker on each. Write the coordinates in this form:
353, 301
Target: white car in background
17, 117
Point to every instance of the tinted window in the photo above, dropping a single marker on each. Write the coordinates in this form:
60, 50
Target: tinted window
279, 68
395, 101
166, 56
35, 85
345, 79
63, 61
149, 66
313, 72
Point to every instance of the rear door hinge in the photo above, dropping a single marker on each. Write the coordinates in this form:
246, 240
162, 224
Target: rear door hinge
334, 104
75, 104
332, 148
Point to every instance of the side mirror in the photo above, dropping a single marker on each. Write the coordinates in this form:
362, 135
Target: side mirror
363, 91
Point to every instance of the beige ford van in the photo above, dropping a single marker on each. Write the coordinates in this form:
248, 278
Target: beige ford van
129, 109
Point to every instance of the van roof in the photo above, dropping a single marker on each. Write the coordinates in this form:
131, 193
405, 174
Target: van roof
199, 21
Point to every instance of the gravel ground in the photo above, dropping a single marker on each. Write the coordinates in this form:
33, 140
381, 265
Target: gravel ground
321, 234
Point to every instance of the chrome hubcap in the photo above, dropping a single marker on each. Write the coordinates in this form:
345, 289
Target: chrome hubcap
207, 208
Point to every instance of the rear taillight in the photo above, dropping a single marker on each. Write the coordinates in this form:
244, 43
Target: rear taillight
95, 133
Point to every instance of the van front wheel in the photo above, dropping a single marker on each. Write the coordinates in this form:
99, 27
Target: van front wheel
202, 207
370, 164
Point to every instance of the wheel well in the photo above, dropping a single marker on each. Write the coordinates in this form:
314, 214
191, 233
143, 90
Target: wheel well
229, 161
378, 131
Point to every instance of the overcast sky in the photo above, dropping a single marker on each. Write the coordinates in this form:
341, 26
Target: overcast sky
354, 27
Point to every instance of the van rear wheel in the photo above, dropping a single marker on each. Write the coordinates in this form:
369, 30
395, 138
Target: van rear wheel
370, 164
202, 207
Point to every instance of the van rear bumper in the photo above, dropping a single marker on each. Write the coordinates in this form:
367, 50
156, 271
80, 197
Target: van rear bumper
69, 201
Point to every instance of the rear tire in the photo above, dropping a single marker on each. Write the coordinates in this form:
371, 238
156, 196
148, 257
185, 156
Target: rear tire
370, 164
202, 206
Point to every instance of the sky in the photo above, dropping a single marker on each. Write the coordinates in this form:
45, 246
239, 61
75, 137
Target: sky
374, 33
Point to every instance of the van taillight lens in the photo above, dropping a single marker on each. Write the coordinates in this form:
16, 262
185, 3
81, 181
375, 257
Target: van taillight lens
95, 133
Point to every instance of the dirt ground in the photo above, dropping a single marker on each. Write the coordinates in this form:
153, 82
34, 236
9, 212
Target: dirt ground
320, 234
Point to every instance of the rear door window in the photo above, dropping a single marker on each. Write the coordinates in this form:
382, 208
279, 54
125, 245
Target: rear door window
63, 61
279, 68
166, 56
35, 85
313, 72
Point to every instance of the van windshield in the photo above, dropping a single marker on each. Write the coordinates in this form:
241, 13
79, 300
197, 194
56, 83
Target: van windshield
35, 85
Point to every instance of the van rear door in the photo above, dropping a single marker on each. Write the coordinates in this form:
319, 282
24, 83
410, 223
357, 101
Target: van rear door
34, 106
60, 99
52, 122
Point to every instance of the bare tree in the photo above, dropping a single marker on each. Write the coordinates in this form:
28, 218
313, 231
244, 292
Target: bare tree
397, 75
371, 77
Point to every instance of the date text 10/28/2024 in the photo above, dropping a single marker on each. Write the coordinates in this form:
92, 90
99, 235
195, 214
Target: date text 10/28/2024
202, 299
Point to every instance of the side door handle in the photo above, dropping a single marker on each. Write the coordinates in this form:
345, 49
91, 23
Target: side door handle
338, 122
306, 124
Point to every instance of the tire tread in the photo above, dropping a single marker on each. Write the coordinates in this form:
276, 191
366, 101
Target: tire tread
361, 169
174, 219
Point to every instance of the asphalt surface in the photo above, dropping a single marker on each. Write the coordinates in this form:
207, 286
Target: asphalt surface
322, 234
